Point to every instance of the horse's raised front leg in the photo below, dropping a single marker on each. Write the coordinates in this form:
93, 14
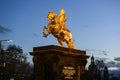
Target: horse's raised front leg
45, 31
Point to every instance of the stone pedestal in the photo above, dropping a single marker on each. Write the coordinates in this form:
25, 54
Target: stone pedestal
58, 63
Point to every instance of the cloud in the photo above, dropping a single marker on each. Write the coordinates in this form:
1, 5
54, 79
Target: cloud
117, 59
101, 59
4, 30
35, 35
111, 64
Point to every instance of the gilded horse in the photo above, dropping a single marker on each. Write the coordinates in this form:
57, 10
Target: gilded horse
58, 30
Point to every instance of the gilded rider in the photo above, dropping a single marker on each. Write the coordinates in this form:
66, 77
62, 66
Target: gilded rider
62, 19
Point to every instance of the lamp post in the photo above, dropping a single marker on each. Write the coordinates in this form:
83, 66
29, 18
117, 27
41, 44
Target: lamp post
2, 58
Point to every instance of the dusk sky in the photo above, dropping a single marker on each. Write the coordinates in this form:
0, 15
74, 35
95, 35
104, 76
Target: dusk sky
94, 24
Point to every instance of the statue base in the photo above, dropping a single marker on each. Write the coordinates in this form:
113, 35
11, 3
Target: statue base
58, 63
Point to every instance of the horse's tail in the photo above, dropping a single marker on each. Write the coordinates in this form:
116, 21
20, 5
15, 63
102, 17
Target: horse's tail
69, 39
71, 43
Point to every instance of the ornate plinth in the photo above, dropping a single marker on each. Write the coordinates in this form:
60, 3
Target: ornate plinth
58, 63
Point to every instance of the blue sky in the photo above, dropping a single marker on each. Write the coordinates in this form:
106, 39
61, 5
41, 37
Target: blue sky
95, 24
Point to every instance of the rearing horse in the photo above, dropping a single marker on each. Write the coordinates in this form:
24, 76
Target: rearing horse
57, 30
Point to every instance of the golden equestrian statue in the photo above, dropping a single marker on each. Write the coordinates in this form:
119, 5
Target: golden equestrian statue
58, 29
